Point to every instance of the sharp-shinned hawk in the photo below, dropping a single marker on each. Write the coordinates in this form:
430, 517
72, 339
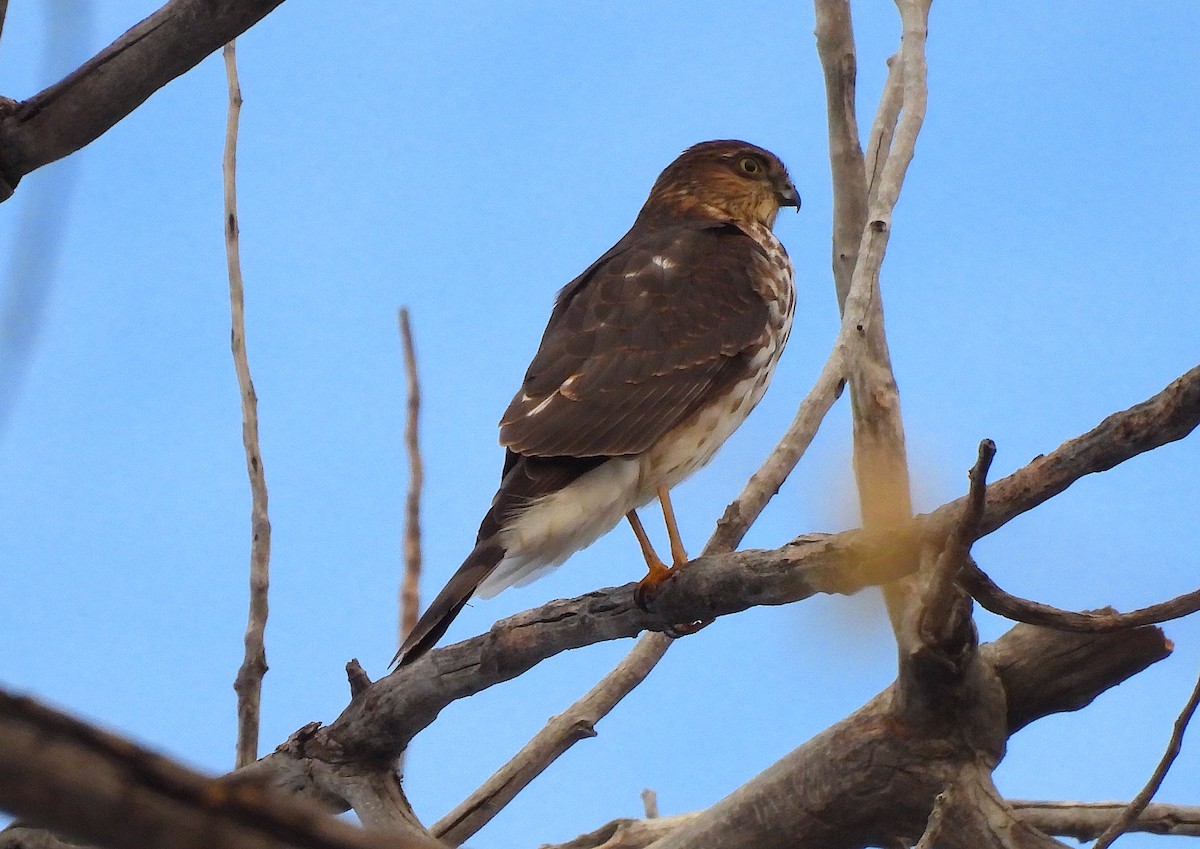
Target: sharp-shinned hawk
652, 357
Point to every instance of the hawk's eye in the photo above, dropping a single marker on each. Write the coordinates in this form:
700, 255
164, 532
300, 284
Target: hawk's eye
750, 165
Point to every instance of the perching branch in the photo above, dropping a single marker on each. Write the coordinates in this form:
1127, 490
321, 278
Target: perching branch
248, 684
87, 103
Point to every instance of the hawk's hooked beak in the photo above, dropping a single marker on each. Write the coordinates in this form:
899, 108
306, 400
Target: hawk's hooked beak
788, 196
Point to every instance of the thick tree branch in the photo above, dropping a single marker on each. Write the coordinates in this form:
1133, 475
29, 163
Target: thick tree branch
971, 814
80, 108
100, 788
1080, 820
871, 779
1041, 677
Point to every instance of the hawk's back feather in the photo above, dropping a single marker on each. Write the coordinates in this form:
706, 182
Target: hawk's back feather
660, 324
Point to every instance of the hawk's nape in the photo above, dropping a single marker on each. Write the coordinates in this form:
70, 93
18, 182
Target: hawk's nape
652, 357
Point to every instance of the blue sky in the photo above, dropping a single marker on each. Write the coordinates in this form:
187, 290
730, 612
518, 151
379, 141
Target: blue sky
468, 162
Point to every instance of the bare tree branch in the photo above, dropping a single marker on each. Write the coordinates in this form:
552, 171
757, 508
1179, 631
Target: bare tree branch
870, 780
1087, 820
883, 130
835, 47
624, 833
996, 600
80, 108
561, 732
248, 683
1039, 675
1142, 799
1080, 820
1166, 417
650, 803
378, 728
105, 790
410, 596
880, 463
935, 619
970, 814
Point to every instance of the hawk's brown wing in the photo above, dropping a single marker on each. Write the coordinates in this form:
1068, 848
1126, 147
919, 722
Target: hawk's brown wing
662, 324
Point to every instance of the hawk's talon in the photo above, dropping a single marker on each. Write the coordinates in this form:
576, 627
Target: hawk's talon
647, 587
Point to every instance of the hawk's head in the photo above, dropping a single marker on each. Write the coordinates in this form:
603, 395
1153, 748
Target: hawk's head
723, 179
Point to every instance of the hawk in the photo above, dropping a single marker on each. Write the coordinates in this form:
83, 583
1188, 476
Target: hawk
652, 357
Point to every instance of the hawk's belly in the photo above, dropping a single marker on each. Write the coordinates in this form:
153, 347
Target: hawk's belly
691, 445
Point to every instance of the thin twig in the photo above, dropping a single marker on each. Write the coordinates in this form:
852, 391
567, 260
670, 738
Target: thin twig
410, 599
248, 683
884, 128
1143, 798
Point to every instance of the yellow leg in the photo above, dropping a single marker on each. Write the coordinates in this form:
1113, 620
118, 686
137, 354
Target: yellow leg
678, 554
659, 572
658, 569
